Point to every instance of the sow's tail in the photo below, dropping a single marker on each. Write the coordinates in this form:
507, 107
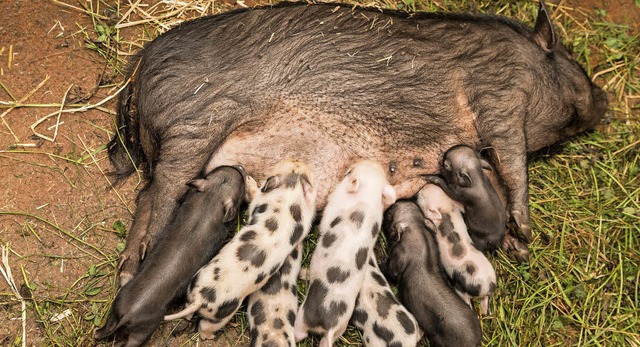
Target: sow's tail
125, 151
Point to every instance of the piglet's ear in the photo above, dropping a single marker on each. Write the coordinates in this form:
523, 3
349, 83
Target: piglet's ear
485, 165
308, 190
543, 32
446, 165
251, 188
388, 196
197, 183
230, 211
433, 214
464, 180
272, 183
354, 184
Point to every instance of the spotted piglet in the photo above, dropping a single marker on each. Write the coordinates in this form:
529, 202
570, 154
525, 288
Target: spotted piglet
272, 309
281, 214
348, 230
378, 314
470, 271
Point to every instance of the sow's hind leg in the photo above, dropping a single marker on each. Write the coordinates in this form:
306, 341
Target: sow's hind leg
180, 160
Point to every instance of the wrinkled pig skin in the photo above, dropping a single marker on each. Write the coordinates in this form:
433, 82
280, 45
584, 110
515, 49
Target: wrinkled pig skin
333, 84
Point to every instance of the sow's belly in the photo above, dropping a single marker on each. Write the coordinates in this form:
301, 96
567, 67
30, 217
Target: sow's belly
330, 148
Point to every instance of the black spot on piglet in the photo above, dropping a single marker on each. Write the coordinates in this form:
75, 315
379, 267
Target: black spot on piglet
336, 275
328, 239
208, 293
272, 286
260, 209
296, 234
357, 217
378, 278
291, 317
382, 332
258, 314
406, 322
359, 316
384, 302
296, 213
250, 252
361, 257
271, 224
227, 308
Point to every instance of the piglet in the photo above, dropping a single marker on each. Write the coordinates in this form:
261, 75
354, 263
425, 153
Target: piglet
281, 214
196, 233
465, 182
272, 309
348, 230
470, 271
382, 320
424, 289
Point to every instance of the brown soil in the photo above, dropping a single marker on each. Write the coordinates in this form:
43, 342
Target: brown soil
56, 199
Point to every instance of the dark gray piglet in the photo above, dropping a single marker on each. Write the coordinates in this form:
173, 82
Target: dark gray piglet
383, 320
281, 213
272, 309
348, 230
424, 289
334, 83
193, 237
465, 182
470, 271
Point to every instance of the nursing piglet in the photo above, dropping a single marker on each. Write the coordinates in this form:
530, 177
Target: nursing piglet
423, 287
272, 309
196, 233
281, 214
465, 182
470, 271
348, 230
382, 320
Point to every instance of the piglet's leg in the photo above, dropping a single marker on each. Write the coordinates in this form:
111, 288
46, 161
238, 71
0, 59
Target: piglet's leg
484, 305
206, 329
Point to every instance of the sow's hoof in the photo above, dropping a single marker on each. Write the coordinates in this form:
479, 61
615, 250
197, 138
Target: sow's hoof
515, 250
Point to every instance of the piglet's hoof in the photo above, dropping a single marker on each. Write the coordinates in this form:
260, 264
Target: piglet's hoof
515, 250
523, 229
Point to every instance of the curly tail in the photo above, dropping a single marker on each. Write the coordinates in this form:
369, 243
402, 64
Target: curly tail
125, 151
187, 311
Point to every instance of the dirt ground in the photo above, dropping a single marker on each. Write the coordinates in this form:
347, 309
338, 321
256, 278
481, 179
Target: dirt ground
60, 219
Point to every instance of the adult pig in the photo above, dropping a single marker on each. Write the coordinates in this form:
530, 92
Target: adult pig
336, 84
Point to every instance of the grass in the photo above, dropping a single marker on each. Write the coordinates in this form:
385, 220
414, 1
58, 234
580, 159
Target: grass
580, 287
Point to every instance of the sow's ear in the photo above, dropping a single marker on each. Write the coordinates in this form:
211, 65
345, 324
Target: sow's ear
543, 32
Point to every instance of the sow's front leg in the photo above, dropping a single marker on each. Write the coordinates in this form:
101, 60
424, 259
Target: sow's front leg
511, 163
158, 201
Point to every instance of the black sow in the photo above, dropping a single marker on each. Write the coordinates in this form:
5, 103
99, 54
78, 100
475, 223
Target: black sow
332, 84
